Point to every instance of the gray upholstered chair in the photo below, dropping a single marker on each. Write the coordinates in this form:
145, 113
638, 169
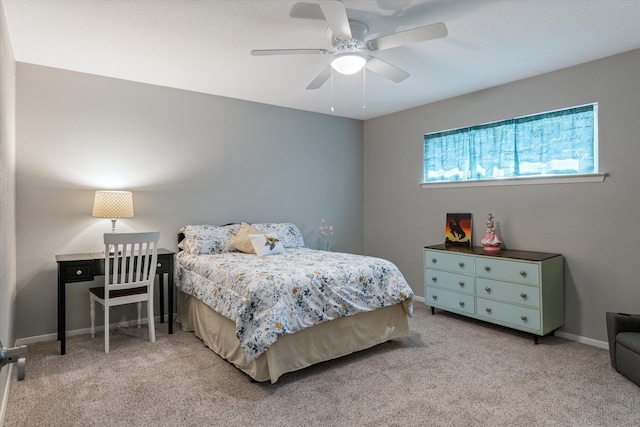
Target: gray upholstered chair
623, 331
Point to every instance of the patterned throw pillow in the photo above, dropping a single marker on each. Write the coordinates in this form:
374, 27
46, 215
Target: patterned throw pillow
288, 232
266, 244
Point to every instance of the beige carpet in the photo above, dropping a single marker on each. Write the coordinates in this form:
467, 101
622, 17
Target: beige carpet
452, 371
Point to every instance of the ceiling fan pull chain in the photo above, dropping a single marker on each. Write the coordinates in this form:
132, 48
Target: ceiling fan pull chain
364, 88
332, 97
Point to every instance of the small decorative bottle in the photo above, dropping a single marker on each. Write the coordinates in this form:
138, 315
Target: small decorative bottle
490, 241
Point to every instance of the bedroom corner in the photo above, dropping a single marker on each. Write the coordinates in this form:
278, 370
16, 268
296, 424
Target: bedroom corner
7, 202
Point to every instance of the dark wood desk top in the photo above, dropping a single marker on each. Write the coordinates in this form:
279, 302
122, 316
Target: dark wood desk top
97, 255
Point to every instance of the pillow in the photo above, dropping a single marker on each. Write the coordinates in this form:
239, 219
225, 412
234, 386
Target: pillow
266, 244
208, 239
241, 240
288, 232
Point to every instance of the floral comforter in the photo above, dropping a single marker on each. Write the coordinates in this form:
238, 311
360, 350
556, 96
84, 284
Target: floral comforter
276, 295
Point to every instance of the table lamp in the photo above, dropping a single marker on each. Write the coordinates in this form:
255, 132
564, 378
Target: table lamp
113, 205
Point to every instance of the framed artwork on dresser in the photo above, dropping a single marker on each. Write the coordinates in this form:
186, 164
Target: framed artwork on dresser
458, 229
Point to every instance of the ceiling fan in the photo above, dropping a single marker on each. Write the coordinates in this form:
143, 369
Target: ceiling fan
350, 48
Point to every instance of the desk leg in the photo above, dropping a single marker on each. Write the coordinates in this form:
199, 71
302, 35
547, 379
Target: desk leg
61, 308
170, 286
161, 288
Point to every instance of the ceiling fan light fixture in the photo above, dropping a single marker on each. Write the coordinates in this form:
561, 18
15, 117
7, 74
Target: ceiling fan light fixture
348, 63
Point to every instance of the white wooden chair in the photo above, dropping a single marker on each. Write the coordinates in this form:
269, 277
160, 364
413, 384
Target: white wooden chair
130, 272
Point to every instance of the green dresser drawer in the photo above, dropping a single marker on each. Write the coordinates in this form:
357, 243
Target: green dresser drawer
508, 292
448, 300
512, 271
449, 280
499, 312
455, 262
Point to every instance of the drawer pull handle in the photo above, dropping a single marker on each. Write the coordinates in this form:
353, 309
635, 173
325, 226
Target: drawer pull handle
434, 278
523, 295
461, 303
523, 317
487, 268
461, 264
461, 284
159, 265
523, 273
433, 260
488, 309
435, 297
488, 289
79, 272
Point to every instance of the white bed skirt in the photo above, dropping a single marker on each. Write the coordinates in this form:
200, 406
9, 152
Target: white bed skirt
326, 341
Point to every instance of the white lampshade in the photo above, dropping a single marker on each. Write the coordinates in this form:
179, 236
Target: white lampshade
113, 204
348, 63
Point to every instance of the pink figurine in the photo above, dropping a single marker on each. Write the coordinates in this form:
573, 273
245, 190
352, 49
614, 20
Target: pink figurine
490, 241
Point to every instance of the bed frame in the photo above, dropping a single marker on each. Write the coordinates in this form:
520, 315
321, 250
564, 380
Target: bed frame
325, 341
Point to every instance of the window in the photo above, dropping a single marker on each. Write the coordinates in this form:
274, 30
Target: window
562, 142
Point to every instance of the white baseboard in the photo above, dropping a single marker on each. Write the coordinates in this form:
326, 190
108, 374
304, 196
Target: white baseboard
54, 336
583, 340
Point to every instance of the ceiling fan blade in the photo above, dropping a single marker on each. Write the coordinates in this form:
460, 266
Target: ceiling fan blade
266, 52
336, 16
320, 78
420, 34
385, 69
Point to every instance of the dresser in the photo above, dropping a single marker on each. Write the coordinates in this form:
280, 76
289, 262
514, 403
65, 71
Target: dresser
522, 290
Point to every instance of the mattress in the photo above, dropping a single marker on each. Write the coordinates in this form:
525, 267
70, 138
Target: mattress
268, 298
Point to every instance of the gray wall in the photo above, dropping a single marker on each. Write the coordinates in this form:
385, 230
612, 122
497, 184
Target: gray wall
594, 225
7, 198
189, 158
194, 158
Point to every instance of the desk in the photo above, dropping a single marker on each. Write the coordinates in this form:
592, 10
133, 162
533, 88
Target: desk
85, 267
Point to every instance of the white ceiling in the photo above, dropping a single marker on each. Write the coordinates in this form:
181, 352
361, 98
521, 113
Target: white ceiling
204, 46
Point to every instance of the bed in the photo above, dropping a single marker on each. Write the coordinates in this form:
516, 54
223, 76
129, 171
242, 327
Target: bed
285, 306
